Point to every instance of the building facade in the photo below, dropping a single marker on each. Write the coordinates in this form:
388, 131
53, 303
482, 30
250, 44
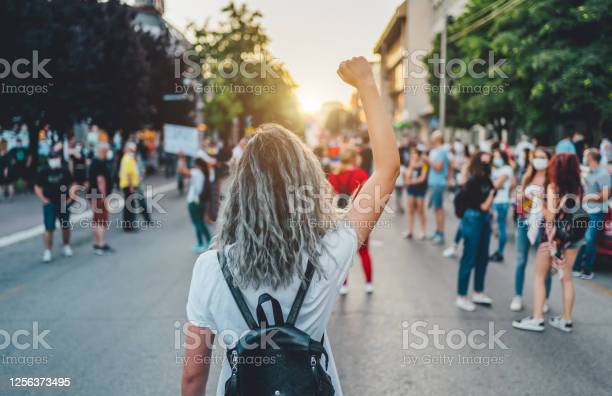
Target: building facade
406, 39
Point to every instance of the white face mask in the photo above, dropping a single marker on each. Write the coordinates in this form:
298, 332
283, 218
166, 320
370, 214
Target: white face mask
498, 162
55, 163
539, 163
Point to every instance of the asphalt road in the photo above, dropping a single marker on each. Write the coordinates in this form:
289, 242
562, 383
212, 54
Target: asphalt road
112, 321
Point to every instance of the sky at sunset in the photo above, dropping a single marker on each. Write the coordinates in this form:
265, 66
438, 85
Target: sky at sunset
311, 37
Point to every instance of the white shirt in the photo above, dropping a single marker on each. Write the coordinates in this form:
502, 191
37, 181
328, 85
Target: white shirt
196, 183
210, 303
503, 193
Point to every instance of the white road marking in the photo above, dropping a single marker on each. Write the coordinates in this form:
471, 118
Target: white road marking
38, 230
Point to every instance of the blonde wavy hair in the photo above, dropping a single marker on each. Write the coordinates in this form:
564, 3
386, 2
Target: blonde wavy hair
278, 207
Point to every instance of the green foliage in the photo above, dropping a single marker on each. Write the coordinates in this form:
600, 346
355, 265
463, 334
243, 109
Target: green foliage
101, 67
264, 90
558, 61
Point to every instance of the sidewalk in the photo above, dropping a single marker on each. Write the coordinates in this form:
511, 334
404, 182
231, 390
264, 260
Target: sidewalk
24, 211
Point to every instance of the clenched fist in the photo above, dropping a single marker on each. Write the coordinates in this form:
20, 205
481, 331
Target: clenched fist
356, 72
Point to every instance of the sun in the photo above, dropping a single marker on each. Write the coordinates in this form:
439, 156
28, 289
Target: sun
308, 103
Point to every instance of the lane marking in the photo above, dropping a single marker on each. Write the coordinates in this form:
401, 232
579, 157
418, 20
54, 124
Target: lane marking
38, 230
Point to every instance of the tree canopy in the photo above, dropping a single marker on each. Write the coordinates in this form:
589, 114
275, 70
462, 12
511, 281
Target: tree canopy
557, 60
242, 78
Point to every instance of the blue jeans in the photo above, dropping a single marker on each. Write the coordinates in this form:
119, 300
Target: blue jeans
501, 210
522, 256
196, 213
476, 231
586, 255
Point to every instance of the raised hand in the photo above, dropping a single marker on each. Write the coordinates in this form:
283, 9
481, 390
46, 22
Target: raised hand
356, 72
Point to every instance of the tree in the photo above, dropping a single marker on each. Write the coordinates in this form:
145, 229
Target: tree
101, 67
242, 77
557, 63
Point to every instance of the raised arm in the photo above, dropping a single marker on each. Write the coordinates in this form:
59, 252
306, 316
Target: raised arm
371, 199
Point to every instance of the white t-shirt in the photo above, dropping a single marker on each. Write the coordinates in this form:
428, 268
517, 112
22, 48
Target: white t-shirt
503, 193
196, 183
210, 303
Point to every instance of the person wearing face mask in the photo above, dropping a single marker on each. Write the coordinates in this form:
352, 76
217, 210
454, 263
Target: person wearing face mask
595, 202
503, 179
477, 196
52, 187
20, 161
532, 186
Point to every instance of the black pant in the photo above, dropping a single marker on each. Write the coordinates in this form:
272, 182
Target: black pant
135, 202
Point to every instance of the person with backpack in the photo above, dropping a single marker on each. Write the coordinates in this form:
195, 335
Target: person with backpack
198, 193
282, 247
472, 205
562, 201
346, 182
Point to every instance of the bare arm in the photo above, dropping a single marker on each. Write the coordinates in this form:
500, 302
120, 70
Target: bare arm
39, 193
196, 361
371, 199
182, 167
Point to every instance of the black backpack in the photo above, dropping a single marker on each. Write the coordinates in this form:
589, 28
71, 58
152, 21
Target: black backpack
206, 193
287, 362
459, 202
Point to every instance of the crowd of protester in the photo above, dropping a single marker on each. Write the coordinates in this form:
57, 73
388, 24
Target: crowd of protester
485, 184
69, 175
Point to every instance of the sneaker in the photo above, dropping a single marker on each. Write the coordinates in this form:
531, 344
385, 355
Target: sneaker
99, 250
46, 256
465, 304
67, 251
481, 298
576, 274
438, 239
545, 308
587, 276
529, 323
407, 235
369, 288
343, 290
108, 249
496, 258
561, 324
516, 304
450, 252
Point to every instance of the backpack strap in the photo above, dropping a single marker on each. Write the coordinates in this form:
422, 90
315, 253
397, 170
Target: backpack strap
237, 294
299, 298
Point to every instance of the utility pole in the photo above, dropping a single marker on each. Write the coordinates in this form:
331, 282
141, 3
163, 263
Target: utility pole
442, 104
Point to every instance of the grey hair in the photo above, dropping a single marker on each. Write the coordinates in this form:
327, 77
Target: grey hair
265, 234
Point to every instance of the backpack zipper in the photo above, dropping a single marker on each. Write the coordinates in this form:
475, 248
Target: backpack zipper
234, 361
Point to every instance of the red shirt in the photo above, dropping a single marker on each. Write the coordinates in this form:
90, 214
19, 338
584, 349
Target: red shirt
355, 177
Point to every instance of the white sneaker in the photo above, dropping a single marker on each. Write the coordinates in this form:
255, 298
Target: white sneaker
481, 298
343, 290
67, 251
561, 324
529, 323
516, 304
576, 274
369, 288
465, 304
450, 252
545, 308
46, 256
